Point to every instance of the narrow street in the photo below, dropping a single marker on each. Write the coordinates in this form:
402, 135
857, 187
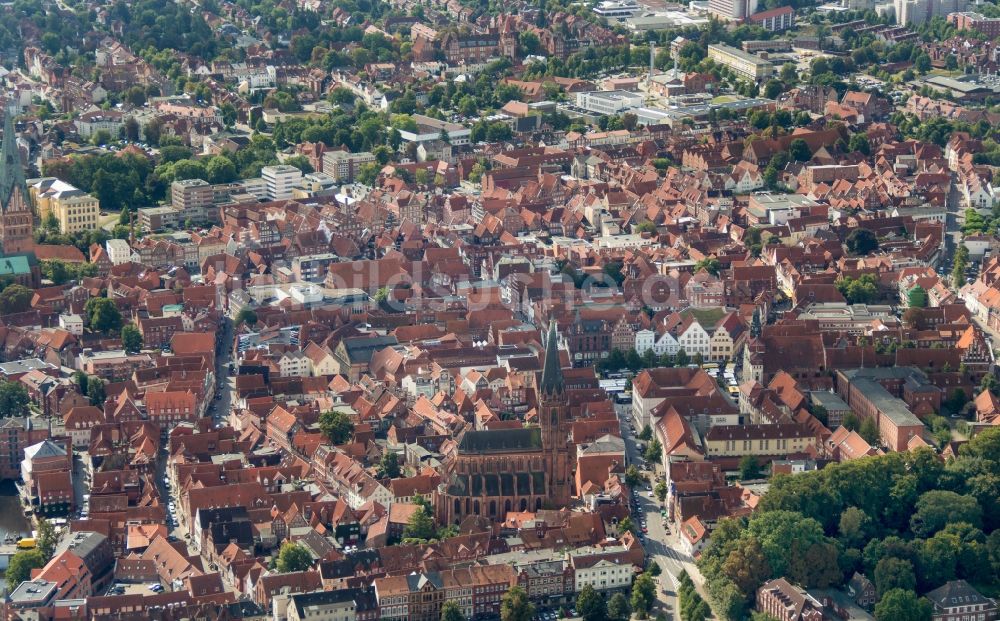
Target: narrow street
660, 543
218, 410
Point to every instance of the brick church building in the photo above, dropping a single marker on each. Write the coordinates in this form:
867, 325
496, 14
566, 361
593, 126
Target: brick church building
16, 215
526, 469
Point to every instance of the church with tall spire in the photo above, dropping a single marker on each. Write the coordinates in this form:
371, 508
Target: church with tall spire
497, 471
17, 219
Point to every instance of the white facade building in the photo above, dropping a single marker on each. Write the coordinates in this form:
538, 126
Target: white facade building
280, 180
608, 102
602, 575
118, 251
644, 341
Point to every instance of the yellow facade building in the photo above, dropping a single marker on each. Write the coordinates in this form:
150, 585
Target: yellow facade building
74, 209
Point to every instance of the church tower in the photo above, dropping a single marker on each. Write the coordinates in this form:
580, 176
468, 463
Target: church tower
552, 418
16, 215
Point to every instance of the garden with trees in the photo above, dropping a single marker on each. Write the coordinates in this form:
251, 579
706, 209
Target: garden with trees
908, 521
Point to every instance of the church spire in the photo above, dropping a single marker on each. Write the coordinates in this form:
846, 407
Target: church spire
11, 172
552, 378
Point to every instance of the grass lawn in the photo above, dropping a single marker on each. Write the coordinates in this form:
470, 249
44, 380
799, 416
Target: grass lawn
725, 99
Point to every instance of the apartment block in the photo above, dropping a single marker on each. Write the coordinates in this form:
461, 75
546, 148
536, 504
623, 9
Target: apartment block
193, 198
344, 165
280, 180
732, 9
744, 65
977, 22
774, 20
921, 11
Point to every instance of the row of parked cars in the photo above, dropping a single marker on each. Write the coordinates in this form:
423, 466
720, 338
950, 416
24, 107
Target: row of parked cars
171, 507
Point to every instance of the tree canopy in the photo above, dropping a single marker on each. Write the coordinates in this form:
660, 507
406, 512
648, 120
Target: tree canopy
20, 566
515, 605
337, 426
293, 557
14, 399
102, 315
904, 519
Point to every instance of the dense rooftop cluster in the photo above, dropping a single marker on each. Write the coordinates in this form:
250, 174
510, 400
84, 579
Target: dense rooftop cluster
350, 311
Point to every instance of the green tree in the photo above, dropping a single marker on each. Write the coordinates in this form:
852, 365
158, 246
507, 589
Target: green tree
100, 138
48, 538
900, 605
661, 490
131, 129
746, 567
789, 73
627, 525
894, 573
646, 434
682, 359
936, 509
420, 526
643, 593
51, 222
632, 476
368, 173
95, 391
131, 338
917, 297
853, 527
591, 605
618, 608
859, 144
451, 611
799, 150
221, 169
301, 162
709, 264
102, 315
20, 566
646, 227
869, 431
337, 426
13, 399
293, 557
81, 380
15, 299
247, 316
749, 468
515, 606
862, 241
388, 466
653, 452
773, 88
776, 529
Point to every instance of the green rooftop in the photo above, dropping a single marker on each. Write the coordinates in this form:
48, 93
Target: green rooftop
14, 265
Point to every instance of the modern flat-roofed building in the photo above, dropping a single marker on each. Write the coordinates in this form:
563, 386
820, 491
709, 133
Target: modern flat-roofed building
429, 129
608, 102
344, 165
194, 198
744, 65
774, 20
732, 9
280, 180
